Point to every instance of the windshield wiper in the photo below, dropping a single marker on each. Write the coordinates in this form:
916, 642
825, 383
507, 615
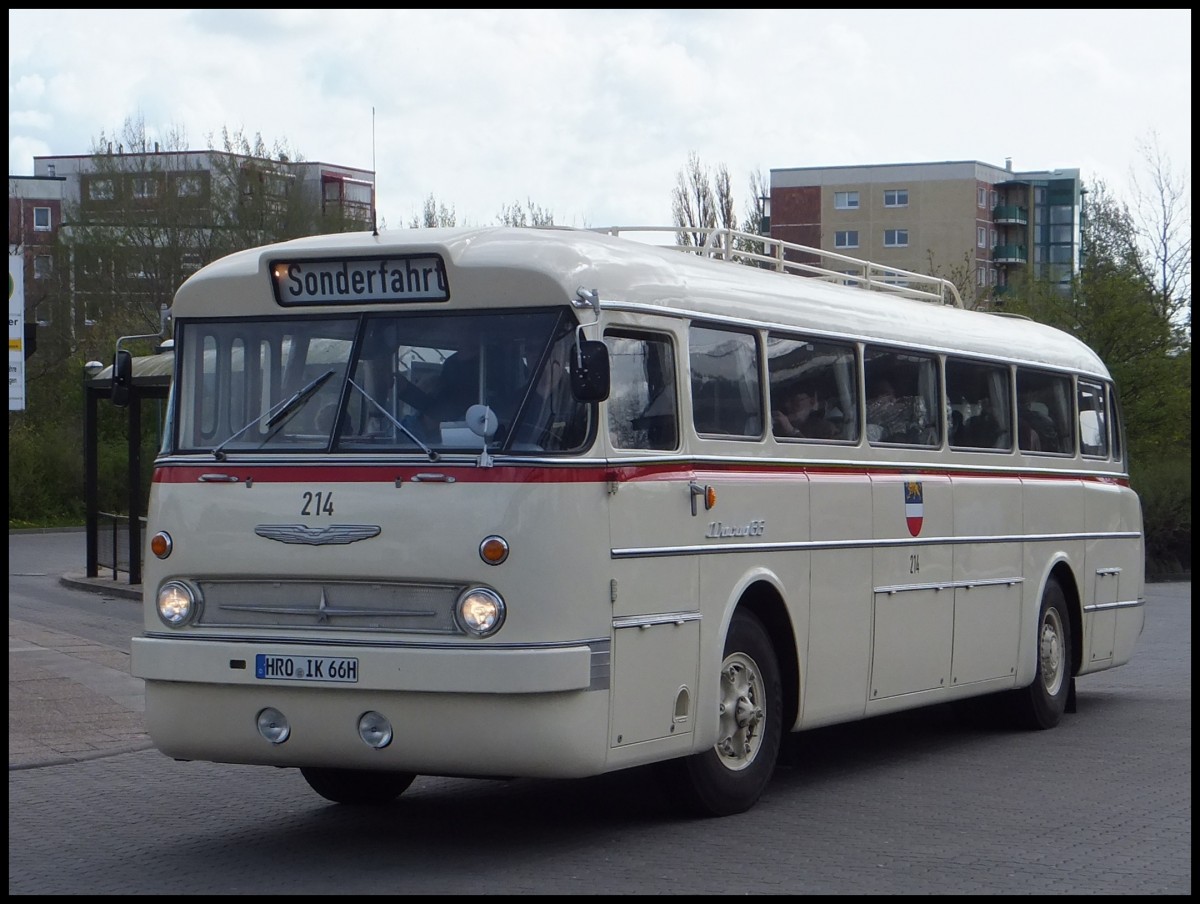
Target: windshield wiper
433, 456
274, 415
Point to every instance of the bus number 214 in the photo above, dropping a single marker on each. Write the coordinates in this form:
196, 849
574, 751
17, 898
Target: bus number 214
317, 504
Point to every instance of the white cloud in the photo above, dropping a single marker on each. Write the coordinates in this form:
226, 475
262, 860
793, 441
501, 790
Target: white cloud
592, 113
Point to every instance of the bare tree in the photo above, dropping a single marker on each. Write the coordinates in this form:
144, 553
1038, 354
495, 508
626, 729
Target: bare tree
433, 215
1164, 225
694, 202
529, 215
756, 205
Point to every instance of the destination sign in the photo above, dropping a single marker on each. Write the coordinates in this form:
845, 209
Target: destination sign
361, 280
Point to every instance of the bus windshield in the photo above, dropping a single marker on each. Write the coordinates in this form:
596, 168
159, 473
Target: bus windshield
399, 382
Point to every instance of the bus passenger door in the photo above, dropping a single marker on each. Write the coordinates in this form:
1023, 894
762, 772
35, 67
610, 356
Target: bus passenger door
655, 579
913, 603
656, 619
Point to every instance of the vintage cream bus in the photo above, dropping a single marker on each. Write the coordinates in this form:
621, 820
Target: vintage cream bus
554, 502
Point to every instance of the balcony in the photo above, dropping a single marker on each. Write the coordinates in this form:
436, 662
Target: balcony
1010, 254
1010, 213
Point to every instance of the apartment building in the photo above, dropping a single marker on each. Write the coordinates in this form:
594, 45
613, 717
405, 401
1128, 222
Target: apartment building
197, 197
972, 222
35, 206
96, 183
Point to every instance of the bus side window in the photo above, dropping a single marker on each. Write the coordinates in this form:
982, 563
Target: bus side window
1044, 412
827, 372
982, 400
902, 398
1093, 426
643, 405
726, 396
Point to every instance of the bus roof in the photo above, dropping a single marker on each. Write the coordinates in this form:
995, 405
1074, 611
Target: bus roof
519, 266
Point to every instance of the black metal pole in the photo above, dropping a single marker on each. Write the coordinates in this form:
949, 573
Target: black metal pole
90, 479
135, 486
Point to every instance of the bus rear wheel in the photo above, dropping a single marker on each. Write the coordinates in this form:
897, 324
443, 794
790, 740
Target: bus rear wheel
360, 787
730, 777
1042, 704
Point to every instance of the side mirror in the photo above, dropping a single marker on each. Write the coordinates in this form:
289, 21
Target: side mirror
589, 372
122, 377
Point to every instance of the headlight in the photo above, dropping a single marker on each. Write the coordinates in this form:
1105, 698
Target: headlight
178, 604
480, 611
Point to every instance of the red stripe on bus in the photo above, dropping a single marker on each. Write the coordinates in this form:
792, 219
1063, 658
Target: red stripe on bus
585, 473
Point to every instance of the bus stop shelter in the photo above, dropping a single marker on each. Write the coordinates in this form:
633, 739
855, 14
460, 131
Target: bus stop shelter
151, 382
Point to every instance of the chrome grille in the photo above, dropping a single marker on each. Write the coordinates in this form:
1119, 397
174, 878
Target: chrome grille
349, 605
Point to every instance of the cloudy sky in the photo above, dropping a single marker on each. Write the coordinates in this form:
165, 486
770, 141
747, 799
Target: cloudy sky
591, 114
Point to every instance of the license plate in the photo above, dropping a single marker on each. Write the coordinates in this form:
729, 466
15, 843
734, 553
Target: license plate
306, 668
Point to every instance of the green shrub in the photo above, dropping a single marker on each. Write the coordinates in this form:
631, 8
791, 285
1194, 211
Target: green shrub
1165, 487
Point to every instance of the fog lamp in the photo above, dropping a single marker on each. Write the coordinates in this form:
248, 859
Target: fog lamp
375, 730
273, 725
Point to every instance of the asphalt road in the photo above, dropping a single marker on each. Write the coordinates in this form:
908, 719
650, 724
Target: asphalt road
916, 803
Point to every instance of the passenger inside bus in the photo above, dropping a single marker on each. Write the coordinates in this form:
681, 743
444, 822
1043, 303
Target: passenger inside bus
799, 415
982, 430
886, 420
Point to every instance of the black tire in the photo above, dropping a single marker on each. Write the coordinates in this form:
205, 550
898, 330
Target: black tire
732, 776
1042, 704
357, 787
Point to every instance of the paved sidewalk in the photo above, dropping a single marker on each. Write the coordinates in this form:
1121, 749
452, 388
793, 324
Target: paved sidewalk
70, 699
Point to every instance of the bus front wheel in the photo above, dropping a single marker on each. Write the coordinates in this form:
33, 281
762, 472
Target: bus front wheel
1042, 704
730, 777
357, 786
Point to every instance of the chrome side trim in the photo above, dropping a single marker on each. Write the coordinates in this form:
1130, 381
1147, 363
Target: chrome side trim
951, 585
632, 552
647, 621
1119, 604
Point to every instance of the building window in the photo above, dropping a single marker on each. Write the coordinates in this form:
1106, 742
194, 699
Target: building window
993, 197
41, 219
981, 236
992, 275
895, 197
43, 266
981, 277
845, 200
100, 190
145, 188
188, 186
895, 238
845, 238
982, 197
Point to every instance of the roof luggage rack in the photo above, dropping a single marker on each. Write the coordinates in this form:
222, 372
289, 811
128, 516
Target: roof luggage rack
788, 257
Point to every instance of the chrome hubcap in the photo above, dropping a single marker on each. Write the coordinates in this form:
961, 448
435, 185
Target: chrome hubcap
742, 712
